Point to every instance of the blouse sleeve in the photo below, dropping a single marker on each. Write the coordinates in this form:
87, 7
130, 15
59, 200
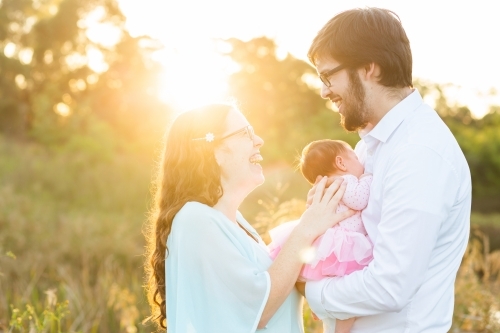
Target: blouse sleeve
357, 191
214, 281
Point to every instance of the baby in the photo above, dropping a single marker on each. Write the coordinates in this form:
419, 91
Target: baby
344, 248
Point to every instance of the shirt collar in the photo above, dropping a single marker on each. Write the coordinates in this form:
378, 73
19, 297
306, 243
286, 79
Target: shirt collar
388, 124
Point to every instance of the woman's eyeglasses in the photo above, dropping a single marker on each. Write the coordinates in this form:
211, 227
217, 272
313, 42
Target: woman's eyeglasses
248, 129
210, 137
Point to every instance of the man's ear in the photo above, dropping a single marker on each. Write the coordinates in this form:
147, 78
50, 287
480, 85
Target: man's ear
339, 163
371, 71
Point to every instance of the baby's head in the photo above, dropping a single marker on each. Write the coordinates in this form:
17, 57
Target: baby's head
329, 158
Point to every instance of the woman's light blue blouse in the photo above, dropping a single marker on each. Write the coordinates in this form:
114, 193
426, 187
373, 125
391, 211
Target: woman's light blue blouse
217, 279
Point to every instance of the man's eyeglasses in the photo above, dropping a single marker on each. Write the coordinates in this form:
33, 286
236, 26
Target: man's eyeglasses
248, 129
324, 77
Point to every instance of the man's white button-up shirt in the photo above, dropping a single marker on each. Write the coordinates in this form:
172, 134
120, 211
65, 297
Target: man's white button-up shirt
418, 218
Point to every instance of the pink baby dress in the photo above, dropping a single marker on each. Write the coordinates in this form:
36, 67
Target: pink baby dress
342, 249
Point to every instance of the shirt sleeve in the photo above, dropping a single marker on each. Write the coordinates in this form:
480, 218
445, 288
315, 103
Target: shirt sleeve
418, 194
214, 282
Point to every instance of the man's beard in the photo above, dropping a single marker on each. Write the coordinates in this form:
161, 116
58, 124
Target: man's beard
354, 114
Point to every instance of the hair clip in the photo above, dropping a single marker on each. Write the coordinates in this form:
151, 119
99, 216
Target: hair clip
209, 137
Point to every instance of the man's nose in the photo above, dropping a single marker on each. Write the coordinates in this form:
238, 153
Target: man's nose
325, 91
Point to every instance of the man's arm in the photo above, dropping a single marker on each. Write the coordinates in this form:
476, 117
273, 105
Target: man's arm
418, 193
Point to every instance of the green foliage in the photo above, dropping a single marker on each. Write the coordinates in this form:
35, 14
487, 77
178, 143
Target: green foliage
480, 142
71, 224
47, 321
50, 93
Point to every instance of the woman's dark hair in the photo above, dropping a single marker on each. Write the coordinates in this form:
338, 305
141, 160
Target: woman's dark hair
358, 37
318, 158
188, 172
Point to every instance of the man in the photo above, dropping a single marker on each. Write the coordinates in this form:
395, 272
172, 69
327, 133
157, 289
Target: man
418, 214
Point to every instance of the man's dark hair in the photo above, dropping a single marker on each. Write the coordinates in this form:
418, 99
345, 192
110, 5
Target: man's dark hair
358, 37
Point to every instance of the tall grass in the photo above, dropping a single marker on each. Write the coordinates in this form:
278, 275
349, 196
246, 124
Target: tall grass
71, 243
70, 230
477, 289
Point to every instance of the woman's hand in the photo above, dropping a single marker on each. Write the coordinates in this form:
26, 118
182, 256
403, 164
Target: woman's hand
315, 221
321, 213
311, 192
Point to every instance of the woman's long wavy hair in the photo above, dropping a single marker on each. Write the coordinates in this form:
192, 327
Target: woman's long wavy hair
188, 172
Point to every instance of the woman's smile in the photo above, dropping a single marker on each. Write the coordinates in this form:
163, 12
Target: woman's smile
256, 158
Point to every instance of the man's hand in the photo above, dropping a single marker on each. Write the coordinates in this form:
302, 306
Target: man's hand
301, 287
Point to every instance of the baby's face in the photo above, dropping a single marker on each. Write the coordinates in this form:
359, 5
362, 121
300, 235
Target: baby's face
351, 162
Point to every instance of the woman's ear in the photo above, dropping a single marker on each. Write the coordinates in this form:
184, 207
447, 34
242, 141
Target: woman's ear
219, 156
339, 163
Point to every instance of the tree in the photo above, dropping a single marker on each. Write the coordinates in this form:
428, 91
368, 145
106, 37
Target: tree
51, 93
479, 140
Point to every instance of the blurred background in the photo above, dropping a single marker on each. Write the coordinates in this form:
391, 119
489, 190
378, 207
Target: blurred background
87, 90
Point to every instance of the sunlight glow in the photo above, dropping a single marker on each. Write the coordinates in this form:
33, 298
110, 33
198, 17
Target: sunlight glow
442, 47
77, 85
74, 60
92, 79
473, 99
312, 81
105, 34
21, 81
191, 79
48, 57
62, 109
9, 50
26, 55
96, 60
307, 255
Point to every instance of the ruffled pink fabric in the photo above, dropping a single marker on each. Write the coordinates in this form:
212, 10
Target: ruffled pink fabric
338, 251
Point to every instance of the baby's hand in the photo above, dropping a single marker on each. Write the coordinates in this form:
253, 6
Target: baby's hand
311, 192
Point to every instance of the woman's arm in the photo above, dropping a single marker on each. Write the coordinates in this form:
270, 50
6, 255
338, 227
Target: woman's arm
314, 222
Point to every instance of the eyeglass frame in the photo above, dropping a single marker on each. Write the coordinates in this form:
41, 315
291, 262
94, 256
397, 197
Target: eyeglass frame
209, 137
324, 77
248, 129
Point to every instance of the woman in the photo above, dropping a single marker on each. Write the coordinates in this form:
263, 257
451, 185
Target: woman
218, 275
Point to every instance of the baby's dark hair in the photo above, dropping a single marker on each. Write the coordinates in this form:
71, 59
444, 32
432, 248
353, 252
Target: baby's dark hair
318, 158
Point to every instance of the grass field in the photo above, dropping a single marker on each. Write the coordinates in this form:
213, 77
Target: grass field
71, 243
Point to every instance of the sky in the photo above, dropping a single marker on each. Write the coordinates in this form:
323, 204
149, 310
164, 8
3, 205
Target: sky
455, 42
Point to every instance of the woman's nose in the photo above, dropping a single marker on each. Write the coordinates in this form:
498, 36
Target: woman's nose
258, 141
